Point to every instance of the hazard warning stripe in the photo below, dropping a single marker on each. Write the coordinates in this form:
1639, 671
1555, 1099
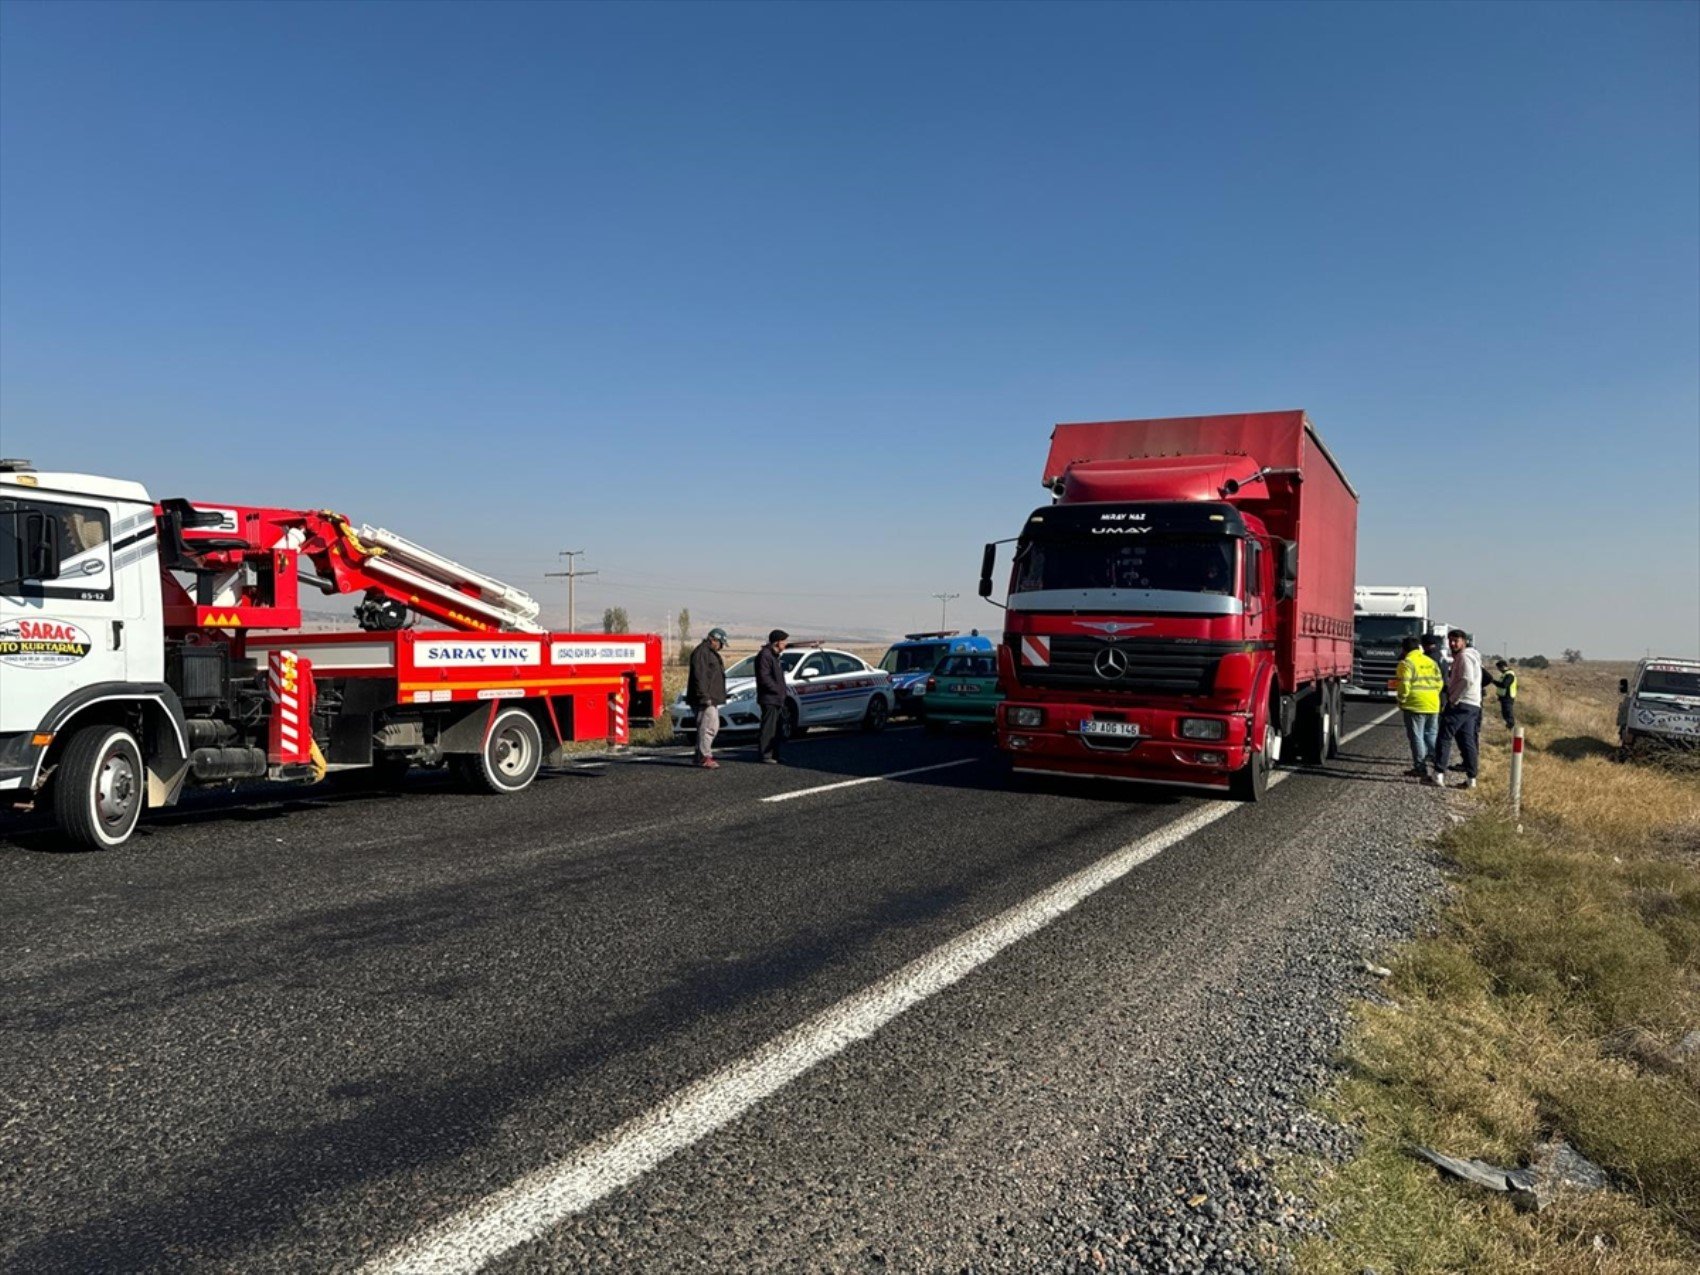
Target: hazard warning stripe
1036, 651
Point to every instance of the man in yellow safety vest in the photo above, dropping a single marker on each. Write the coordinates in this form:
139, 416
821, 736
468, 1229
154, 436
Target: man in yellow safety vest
1507, 683
1418, 686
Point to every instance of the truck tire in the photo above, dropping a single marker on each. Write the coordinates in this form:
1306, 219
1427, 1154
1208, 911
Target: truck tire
512, 753
100, 787
1251, 781
1338, 698
873, 721
1319, 727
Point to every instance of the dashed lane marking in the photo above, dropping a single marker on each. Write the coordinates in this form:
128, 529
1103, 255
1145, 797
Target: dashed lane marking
523, 1211
871, 779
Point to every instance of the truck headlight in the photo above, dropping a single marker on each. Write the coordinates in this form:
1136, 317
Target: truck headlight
1023, 716
1203, 728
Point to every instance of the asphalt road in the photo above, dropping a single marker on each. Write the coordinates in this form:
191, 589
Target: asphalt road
296, 1035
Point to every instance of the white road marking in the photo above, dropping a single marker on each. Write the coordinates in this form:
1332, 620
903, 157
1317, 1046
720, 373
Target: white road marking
871, 779
521, 1212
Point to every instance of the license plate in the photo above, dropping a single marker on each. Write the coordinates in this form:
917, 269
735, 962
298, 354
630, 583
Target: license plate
962, 688
1119, 729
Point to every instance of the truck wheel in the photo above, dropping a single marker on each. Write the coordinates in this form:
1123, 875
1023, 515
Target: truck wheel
511, 755
873, 721
1251, 781
1320, 729
1337, 698
100, 787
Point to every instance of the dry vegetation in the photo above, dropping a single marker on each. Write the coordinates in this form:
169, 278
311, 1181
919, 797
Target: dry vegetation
1552, 998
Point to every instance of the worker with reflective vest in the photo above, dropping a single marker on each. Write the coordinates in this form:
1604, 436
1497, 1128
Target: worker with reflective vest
1417, 685
1507, 683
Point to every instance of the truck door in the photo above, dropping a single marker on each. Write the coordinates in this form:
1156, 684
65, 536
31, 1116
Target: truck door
57, 631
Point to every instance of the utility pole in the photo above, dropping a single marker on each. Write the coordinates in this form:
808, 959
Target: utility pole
944, 601
571, 575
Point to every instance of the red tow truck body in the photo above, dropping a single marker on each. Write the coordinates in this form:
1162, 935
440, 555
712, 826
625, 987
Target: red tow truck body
1183, 611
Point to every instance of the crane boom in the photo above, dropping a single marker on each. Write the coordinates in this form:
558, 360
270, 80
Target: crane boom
245, 564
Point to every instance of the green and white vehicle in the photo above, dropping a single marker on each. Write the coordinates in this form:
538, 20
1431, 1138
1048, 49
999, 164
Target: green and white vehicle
961, 691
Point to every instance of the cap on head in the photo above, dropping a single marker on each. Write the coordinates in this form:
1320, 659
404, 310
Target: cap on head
1499, 663
779, 635
719, 635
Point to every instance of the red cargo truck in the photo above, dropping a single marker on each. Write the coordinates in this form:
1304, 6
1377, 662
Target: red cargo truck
1182, 612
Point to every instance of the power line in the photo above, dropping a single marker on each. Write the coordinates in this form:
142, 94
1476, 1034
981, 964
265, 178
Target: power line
572, 577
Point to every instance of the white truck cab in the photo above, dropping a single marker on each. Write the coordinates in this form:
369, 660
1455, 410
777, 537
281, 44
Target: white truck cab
1383, 615
81, 644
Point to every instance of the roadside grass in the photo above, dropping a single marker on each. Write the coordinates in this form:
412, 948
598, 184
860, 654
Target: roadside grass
1550, 1000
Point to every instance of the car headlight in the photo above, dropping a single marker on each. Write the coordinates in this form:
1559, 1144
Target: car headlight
749, 692
1203, 728
1024, 716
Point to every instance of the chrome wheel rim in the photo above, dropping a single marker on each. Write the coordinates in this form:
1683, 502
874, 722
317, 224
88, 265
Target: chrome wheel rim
115, 789
512, 748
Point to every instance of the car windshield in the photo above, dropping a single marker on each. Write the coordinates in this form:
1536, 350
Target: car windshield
746, 667
969, 666
913, 659
1184, 564
1388, 628
1669, 682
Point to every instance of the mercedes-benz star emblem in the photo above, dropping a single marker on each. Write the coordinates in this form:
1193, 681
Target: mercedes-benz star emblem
1110, 664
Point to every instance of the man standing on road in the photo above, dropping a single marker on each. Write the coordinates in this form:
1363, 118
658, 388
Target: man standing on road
770, 694
1462, 719
1507, 683
1418, 687
706, 692
1435, 649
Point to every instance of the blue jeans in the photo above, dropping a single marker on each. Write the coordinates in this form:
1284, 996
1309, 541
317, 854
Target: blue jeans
1421, 732
1462, 722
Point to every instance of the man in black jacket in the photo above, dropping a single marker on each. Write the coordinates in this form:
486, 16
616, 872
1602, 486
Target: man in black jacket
770, 693
706, 692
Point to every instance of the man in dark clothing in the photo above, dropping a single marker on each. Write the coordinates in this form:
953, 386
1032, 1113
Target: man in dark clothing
770, 694
1507, 684
706, 692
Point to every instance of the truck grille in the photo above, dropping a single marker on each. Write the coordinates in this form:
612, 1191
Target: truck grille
1373, 672
1162, 666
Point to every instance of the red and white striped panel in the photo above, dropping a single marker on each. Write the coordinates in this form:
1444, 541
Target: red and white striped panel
1036, 651
619, 720
289, 679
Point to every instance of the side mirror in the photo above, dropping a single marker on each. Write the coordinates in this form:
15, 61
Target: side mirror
809, 674
1288, 583
988, 560
1623, 686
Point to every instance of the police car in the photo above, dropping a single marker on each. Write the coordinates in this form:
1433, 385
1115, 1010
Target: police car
911, 661
822, 688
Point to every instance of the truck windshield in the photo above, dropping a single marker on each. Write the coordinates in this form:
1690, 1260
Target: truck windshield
913, 659
1178, 564
1388, 628
1669, 682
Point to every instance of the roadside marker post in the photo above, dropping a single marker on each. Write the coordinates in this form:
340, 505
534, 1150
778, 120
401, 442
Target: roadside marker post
1517, 776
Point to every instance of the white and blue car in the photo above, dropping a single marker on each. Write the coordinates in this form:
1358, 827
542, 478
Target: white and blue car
911, 661
822, 688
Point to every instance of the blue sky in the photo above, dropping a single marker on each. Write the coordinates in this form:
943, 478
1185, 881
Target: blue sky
771, 308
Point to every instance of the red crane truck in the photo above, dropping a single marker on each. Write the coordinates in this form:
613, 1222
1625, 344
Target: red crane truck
1184, 607
148, 647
